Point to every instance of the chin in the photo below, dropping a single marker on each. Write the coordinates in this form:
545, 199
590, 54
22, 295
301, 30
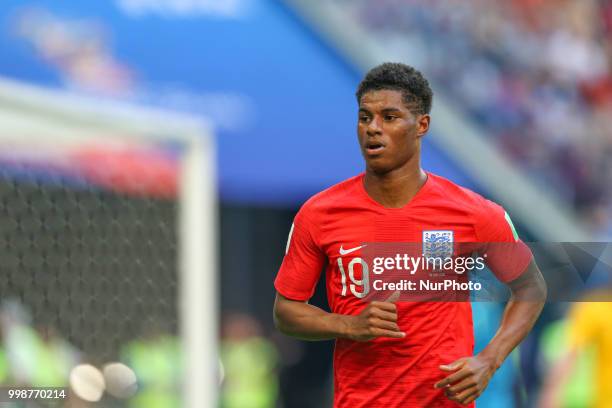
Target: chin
378, 168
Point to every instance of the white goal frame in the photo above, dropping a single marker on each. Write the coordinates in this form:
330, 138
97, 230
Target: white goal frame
44, 115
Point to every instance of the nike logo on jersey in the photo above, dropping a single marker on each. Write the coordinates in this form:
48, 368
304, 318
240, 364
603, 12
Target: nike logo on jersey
348, 251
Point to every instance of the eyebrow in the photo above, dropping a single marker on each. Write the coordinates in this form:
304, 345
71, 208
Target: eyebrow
388, 110
385, 110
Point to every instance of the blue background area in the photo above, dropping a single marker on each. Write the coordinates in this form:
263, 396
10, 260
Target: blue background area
302, 136
500, 391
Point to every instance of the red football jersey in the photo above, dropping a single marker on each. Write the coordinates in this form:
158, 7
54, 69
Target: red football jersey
332, 228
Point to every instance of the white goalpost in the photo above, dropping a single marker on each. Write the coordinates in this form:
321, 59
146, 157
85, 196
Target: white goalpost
136, 256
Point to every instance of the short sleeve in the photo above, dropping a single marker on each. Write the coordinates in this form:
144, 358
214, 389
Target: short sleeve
303, 262
493, 224
506, 255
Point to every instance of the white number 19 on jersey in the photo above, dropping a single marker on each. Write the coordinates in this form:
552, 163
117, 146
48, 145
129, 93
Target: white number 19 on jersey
364, 282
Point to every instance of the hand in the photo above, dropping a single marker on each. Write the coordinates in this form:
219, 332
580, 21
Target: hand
470, 377
378, 319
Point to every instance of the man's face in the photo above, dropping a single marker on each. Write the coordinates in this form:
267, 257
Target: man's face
389, 133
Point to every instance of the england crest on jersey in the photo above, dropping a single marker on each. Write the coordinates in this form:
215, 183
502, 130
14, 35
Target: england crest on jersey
438, 244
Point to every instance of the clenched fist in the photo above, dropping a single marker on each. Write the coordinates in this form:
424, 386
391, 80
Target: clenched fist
378, 319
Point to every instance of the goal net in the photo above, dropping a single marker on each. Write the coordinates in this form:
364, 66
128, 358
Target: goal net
107, 252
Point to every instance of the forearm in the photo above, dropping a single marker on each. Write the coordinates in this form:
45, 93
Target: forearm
522, 311
308, 322
518, 320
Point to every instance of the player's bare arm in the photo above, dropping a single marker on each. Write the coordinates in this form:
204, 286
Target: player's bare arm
470, 375
308, 322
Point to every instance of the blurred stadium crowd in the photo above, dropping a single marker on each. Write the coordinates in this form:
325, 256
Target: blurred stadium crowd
535, 74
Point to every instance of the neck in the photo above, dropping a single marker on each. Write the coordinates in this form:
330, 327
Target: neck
396, 188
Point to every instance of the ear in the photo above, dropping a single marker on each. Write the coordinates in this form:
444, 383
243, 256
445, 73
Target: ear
422, 124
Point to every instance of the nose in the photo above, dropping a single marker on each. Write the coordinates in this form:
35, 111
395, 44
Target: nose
374, 127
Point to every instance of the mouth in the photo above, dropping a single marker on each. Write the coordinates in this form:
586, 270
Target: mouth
374, 148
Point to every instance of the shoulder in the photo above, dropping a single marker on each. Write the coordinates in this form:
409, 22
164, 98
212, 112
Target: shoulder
491, 221
470, 200
320, 203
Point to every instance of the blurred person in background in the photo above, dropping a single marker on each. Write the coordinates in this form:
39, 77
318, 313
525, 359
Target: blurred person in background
576, 389
249, 361
155, 359
589, 346
389, 353
36, 357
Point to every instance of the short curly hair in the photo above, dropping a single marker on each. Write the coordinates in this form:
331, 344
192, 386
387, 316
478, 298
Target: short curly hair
399, 77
